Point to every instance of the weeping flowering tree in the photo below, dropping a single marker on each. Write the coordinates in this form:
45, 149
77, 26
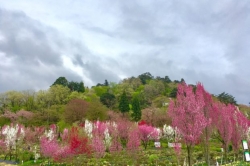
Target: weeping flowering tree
187, 115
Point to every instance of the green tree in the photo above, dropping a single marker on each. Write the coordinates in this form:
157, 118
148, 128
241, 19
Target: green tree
153, 89
81, 87
136, 108
108, 100
96, 111
173, 93
75, 110
43, 100
166, 79
61, 81
58, 94
99, 90
132, 82
226, 98
145, 77
106, 83
124, 104
14, 100
29, 100
75, 86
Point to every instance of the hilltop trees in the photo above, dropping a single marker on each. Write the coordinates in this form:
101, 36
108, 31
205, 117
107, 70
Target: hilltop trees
61, 81
145, 77
226, 98
75, 86
72, 85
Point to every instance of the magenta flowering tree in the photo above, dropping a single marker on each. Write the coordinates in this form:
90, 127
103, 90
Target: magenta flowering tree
187, 115
99, 128
134, 140
98, 146
75, 143
147, 133
207, 111
224, 122
98, 139
123, 128
239, 129
65, 135
48, 147
115, 146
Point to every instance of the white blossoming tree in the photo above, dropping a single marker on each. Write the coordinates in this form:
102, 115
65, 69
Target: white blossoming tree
12, 137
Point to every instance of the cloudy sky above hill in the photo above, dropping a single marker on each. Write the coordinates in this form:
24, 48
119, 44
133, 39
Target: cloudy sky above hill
206, 41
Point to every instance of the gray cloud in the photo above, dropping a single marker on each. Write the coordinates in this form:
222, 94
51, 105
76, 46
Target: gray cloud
204, 41
27, 49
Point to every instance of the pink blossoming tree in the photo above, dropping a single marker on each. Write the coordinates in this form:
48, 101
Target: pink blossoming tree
224, 122
147, 133
187, 115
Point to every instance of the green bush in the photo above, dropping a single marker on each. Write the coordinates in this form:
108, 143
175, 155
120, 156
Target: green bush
4, 121
26, 156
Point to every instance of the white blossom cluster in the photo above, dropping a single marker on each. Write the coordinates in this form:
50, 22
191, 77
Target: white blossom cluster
168, 132
49, 134
88, 128
107, 138
13, 134
36, 154
172, 134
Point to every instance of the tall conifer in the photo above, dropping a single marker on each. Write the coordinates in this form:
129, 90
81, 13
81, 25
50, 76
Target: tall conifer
124, 104
136, 115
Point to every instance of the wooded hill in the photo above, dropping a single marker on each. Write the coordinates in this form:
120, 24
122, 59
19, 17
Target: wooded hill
65, 102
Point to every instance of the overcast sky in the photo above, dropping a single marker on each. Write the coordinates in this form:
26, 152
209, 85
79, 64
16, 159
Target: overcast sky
206, 41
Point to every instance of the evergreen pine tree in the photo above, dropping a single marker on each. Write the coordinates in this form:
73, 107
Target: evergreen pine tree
124, 104
136, 115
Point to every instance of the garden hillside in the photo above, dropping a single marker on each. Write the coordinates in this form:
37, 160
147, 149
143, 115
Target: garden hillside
142, 120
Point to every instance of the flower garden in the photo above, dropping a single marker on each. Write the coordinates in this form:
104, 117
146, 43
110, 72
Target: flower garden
201, 132
100, 143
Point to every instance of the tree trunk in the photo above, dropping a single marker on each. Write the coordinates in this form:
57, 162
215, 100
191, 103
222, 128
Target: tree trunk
206, 147
189, 154
225, 150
